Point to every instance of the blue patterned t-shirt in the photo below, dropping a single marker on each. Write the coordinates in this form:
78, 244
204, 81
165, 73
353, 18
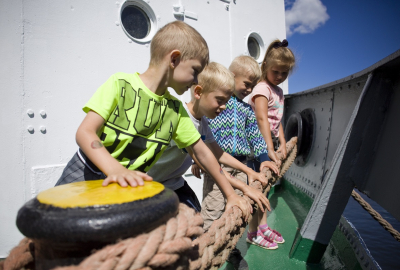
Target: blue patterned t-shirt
236, 131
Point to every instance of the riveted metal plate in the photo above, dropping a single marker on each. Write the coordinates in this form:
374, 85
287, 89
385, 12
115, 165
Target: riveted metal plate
308, 177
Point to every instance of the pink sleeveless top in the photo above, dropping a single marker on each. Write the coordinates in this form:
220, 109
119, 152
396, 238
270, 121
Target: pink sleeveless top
275, 97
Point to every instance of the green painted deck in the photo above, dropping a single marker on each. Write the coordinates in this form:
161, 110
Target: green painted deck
290, 207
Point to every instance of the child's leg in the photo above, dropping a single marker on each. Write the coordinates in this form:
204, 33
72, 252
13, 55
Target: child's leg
255, 236
77, 171
187, 196
270, 234
213, 204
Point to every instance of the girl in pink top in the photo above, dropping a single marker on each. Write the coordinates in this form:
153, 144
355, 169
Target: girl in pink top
267, 102
267, 97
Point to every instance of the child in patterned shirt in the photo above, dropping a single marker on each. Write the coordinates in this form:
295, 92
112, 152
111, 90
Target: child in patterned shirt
236, 132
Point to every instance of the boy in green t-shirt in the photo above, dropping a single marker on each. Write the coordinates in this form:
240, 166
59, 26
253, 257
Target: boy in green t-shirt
132, 118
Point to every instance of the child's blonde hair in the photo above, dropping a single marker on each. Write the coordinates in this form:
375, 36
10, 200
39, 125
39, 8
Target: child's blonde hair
180, 36
277, 54
213, 77
245, 65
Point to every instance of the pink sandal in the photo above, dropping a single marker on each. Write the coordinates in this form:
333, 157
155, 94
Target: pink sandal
258, 239
272, 235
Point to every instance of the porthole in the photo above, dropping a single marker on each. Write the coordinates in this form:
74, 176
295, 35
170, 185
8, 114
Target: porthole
255, 46
301, 125
138, 20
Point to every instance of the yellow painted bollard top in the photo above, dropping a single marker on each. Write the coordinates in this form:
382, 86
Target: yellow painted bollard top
90, 193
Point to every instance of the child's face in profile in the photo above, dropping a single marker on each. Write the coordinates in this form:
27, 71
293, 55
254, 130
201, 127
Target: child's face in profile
185, 75
277, 74
244, 84
213, 103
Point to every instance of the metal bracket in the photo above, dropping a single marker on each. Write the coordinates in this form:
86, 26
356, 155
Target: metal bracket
180, 12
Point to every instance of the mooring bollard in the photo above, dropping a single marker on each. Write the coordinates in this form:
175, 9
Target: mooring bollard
68, 222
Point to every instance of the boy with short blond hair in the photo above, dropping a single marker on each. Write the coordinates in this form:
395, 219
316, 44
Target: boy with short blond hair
237, 133
178, 36
245, 65
214, 88
132, 118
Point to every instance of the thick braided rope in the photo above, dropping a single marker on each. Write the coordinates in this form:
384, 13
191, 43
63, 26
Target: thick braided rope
162, 247
170, 246
224, 233
19, 257
386, 225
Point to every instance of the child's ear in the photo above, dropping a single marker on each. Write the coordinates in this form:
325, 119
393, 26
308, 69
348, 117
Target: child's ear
198, 90
175, 58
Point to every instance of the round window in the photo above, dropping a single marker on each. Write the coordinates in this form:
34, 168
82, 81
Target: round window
255, 46
138, 20
135, 22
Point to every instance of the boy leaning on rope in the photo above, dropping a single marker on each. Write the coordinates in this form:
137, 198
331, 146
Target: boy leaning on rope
132, 118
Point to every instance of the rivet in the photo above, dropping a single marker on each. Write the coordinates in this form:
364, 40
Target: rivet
30, 113
43, 114
117, 23
43, 129
30, 129
227, 7
129, 40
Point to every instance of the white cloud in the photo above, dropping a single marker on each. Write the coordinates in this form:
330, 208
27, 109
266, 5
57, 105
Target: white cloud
304, 16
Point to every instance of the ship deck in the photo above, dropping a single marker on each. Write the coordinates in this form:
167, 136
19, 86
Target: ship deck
290, 207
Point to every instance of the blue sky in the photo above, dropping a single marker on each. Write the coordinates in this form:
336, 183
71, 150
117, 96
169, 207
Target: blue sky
333, 39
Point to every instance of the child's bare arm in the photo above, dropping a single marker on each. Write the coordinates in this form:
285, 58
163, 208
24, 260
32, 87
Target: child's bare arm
270, 165
261, 112
196, 171
282, 142
252, 193
207, 160
230, 161
89, 142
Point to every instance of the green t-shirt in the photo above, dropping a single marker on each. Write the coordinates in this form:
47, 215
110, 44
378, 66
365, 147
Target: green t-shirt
138, 123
